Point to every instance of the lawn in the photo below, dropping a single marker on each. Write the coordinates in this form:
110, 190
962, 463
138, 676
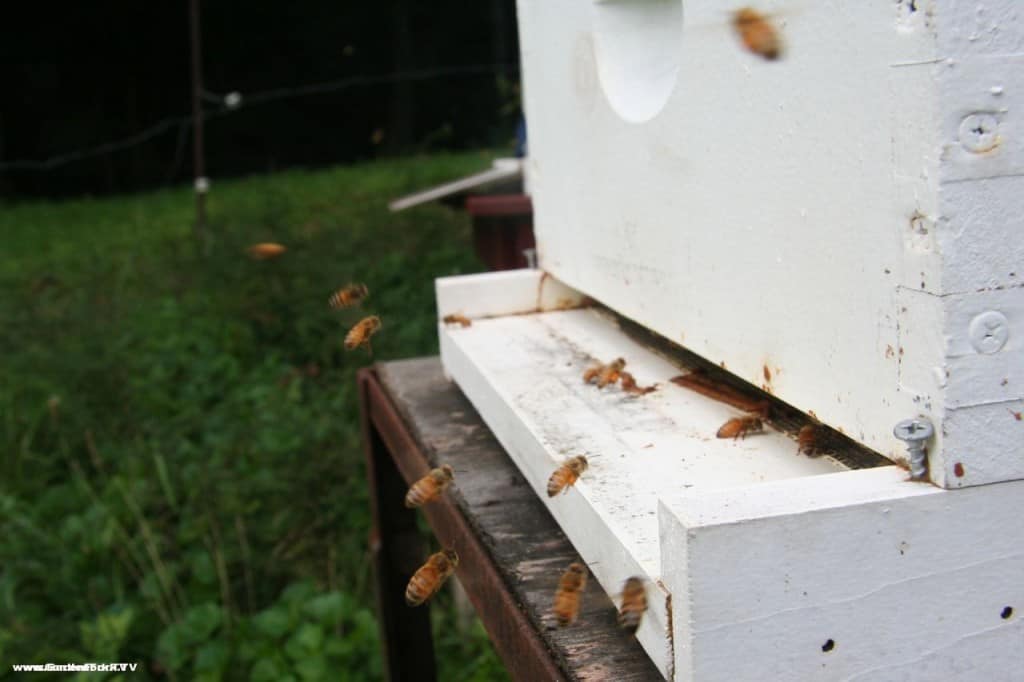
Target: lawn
182, 482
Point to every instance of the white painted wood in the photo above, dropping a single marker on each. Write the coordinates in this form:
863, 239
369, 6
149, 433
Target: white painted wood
523, 373
832, 216
507, 292
909, 581
502, 171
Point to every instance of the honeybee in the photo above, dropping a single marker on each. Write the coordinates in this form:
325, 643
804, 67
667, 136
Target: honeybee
430, 487
569, 593
604, 374
757, 33
630, 386
360, 334
807, 440
427, 580
265, 251
348, 296
566, 474
634, 603
457, 319
739, 427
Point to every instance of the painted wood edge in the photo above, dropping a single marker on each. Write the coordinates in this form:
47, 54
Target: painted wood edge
804, 495
507, 292
936, 576
608, 559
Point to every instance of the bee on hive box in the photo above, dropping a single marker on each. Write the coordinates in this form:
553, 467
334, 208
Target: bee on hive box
634, 603
455, 318
757, 33
566, 475
629, 385
569, 594
604, 374
348, 296
430, 487
430, 576
808, 440
739, 427
360, 334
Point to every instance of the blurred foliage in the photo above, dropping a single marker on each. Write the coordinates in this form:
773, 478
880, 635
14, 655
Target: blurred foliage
182, 483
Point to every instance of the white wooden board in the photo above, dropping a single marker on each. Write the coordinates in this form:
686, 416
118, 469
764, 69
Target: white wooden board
767, 564
523, 373
840, 216
856, 576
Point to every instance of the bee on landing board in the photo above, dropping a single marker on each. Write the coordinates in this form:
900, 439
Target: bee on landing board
457, 319
360, 334
604, 374
609, 374
265, 251
566, 475
349, 296
739, 427
807, 440
569, 593
629, 385
430, 576
757, 33
430, 487
634, 603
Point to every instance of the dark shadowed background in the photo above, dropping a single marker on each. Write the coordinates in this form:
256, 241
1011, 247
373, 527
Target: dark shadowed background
78, 75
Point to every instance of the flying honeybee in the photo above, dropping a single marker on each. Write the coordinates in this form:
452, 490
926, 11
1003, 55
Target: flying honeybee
569, 593
566, 474
634, 603
807, 440
757, 33
739, 427
349, 296
430, 576
360, 334
430, 487
265, 251
457, 319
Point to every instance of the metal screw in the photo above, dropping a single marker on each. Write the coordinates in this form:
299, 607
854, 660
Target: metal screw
989, 331
914, 432
978, 132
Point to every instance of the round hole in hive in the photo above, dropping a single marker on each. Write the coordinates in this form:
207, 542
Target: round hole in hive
637, 49
828, 646
1006, 613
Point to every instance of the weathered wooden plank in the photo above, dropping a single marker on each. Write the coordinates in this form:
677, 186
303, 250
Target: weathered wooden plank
406, 638
515, 527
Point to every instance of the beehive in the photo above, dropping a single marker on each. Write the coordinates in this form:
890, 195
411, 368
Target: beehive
841, 228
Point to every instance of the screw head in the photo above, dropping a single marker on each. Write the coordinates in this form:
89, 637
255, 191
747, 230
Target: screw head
979, 132
989, 332
914, 430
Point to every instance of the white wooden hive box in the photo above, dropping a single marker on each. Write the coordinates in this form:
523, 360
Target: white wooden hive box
841, 228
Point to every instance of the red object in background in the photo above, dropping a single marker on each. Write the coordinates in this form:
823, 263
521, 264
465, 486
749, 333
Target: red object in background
502, 229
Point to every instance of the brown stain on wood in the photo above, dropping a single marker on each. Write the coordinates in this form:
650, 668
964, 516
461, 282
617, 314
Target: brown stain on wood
701, 383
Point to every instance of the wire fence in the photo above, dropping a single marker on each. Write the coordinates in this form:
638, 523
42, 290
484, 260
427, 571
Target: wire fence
184, 122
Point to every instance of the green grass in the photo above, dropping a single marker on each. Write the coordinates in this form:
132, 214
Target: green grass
182, 481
